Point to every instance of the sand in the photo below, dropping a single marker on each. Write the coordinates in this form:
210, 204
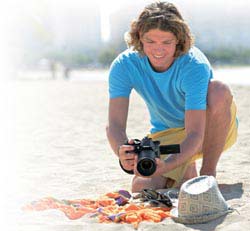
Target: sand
56, 145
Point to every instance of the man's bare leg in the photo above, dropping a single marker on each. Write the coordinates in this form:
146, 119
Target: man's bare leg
217, 126
190, 173
140, 183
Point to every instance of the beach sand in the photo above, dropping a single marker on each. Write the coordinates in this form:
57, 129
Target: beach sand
56, 146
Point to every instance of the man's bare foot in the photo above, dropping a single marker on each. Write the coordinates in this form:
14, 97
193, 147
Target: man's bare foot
190, 173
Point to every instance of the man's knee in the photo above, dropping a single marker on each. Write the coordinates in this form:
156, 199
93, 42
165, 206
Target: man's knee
139, 183
219, 97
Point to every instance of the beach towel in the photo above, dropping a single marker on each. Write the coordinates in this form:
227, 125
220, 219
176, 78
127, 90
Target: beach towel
111, 207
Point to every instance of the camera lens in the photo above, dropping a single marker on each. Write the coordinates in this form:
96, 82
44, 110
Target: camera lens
146, 167
146, 164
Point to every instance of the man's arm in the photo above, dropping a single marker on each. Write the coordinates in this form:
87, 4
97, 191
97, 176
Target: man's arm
116, 132
195, 123
117, 121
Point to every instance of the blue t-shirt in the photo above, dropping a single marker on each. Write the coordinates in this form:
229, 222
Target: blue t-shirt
167, 94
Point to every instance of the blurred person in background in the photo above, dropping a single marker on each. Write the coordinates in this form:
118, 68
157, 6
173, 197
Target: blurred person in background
186, 106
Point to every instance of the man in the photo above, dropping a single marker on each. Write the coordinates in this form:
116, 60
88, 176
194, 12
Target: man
174, 78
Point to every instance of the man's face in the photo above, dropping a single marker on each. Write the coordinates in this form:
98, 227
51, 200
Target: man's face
159, 46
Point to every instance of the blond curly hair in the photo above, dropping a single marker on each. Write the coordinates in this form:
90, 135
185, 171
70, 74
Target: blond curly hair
163, 16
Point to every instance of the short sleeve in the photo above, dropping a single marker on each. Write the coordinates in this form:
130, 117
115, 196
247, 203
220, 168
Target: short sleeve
119, 80
195, 86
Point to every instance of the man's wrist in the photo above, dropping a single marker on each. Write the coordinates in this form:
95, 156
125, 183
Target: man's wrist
170, 162
131, 172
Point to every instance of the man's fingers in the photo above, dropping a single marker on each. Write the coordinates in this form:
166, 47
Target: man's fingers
158, 161
131, 141
127, 156
128, 164
126, 149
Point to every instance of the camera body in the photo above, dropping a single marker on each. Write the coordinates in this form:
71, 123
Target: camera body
147, 150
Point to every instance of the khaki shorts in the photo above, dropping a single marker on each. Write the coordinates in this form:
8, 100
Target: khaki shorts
177, 135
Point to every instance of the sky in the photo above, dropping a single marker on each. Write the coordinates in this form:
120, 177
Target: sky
12, 10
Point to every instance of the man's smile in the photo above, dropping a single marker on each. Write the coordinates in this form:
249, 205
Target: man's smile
158, 56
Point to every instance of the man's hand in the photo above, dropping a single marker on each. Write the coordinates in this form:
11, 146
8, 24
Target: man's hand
127, 156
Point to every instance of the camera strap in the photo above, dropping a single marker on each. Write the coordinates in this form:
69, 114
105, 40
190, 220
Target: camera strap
131, 172
170, 149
